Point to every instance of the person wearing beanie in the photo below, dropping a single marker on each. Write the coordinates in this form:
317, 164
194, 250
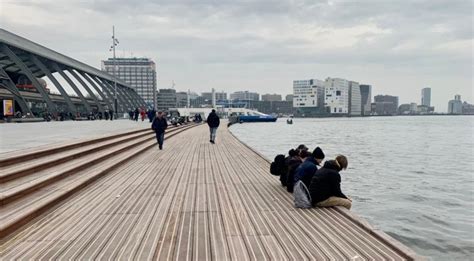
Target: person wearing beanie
325, 186
318, 154
307, 169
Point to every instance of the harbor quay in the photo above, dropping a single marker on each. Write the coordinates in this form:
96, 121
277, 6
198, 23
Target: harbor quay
117, 196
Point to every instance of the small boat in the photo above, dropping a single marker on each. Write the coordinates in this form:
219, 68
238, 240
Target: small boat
289, 121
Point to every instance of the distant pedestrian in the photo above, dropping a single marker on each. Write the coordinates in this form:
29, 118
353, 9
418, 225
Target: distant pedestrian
159, 125
111, 115
142, 114
325, 187
213, 122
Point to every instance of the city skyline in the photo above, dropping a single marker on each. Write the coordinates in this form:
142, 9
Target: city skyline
264, 46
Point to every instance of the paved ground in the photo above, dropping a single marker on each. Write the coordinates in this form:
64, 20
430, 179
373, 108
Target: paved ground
19, 136
194, 201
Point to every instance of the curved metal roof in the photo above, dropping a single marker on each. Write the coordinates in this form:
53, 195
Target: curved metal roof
26, 45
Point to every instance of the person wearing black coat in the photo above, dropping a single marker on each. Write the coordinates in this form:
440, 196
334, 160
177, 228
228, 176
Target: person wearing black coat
325, 187
159, 125
213, 122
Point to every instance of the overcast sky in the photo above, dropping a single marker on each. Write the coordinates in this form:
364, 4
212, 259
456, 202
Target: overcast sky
397, 46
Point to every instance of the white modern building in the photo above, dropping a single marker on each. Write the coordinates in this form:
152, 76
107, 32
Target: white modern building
337, 95
355, 100
140, 73
305, 93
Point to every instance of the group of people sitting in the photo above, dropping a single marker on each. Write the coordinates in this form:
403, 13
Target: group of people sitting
312, 185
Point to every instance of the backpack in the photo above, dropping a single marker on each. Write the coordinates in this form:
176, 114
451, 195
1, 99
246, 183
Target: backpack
277, 165
302, 196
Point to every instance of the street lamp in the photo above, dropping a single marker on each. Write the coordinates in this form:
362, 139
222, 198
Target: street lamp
115, 42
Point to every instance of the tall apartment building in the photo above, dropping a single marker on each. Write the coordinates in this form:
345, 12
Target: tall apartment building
337, 95
245, 96
166, 99
271, 97
139, 73
355, 103
426, 96
455, 106
366, 98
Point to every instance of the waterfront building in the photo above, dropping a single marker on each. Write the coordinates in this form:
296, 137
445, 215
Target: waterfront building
426, 96
467, 109
245, 96
404, 109
272, 107
413, 108
271, 97
366, 98
219, 96
308, 97
289, 97
455, 106
166, 99
355, 103
139, 73
199, 102
337, 95
181, 99
386, 105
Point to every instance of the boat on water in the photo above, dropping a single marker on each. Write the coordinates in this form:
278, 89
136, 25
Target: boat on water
255, 116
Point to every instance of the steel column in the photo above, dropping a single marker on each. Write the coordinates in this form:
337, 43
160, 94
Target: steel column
126, 90
14, 58
127, 101
9, 85
79, 79
99, 91
60, 88
73, 85
120, 101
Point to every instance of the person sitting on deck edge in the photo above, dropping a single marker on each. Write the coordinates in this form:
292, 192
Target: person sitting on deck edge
325, 187
293, 164
307, 169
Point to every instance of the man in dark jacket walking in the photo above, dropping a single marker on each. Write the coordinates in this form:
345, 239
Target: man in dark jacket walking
306, 170
325, 187
213, 122
159, 125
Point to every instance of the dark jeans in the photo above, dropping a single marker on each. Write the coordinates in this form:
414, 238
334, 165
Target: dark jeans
213, 133
160, 137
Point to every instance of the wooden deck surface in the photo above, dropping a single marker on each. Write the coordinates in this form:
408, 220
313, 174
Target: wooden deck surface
196, 201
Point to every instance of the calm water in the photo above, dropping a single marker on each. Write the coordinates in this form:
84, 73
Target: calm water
412, 177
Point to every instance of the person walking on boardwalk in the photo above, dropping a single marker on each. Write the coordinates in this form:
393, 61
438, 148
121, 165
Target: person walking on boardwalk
213, 122
325, 187
159, 125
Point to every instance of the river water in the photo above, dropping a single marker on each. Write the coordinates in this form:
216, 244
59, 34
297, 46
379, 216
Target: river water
412, 177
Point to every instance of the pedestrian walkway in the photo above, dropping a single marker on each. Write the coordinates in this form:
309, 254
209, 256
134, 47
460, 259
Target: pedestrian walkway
200, 201
19, 136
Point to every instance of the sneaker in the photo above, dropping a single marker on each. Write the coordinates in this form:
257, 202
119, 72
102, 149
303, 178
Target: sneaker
161, 147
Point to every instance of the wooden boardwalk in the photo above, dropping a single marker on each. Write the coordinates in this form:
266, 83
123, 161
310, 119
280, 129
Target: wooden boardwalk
196, 201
